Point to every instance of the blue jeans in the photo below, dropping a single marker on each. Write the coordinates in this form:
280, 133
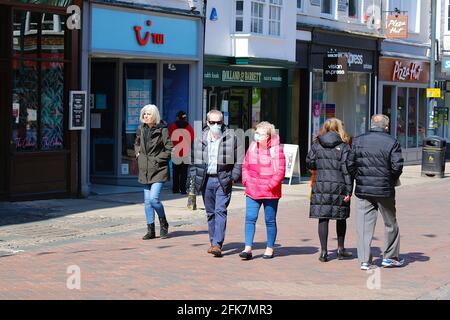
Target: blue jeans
270, 211
216, 203
152, 202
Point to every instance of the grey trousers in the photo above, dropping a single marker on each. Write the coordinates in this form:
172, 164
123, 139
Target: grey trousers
367, 212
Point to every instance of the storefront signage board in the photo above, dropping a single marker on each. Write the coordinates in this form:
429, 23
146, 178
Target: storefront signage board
223, 76
128, 32
397, 27
77, 110
404, 70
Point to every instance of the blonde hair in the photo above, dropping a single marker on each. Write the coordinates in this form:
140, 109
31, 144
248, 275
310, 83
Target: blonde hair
270, 128
154, 112
335, 125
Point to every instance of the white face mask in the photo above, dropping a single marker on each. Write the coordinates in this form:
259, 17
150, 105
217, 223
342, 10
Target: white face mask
259, 137
216, 129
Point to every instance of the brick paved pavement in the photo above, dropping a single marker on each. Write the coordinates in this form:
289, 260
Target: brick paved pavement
121, 266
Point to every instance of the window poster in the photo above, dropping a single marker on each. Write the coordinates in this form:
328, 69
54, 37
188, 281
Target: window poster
316, 117
138, 93
330, 110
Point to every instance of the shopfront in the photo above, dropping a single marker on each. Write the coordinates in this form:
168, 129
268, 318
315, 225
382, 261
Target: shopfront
142, 58
247, 96
402, 97
38, 68
341, 87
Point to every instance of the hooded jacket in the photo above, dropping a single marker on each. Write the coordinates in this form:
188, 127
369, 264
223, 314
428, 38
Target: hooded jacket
332, 182
263, 170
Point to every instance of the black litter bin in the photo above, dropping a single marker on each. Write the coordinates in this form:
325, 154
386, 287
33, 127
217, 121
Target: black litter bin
433, 157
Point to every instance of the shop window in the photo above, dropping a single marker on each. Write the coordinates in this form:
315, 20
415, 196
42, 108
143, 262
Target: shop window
401, 117
257, 16
239, 27
175, 90
412, 118
346, 100
38, 83
300, 5
275, 17
139, 90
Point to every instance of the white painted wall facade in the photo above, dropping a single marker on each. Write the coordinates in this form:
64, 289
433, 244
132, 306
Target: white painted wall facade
222, 39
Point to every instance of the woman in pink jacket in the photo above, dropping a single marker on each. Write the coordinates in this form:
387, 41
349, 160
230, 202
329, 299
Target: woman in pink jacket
262, 175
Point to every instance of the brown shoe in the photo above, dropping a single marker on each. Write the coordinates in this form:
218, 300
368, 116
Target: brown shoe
216, 251
210, 249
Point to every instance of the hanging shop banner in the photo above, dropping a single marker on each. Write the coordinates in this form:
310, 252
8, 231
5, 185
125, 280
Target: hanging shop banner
139, 93
335, 69
224, 76
397, 27
77, 110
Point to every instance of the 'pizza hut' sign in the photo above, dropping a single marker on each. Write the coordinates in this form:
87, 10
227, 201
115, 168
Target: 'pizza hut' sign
406, 72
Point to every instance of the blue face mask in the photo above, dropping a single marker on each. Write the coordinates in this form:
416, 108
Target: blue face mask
216, 129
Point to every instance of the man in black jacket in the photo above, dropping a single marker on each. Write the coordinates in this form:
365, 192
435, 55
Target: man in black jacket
217, 164
376, 163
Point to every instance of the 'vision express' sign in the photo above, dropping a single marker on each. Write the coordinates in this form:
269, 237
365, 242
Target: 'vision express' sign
334, 69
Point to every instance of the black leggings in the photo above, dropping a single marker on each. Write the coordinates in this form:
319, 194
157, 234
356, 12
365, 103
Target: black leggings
341, 228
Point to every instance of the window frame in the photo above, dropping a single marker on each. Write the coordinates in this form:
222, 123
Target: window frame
358, 8
236, 16
332, 14
278, 6
261, 4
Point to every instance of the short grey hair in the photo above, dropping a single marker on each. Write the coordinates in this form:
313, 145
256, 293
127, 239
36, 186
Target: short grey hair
217, 112
153, 110
379, 121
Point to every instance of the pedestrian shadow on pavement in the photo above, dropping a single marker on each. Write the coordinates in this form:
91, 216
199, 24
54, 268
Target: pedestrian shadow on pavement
235, 248
410, 257
181, 233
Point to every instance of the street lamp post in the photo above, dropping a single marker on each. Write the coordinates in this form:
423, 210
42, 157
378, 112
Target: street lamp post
431, 102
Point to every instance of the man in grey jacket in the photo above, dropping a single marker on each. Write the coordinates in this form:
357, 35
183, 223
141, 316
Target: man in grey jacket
376, 163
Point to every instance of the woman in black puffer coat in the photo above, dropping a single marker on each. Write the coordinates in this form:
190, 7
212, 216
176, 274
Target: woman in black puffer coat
333, 186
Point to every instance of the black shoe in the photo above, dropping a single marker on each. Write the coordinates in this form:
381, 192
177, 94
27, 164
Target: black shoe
164, 228
150, 232
267, 256
323, 256
342, 254
246, 255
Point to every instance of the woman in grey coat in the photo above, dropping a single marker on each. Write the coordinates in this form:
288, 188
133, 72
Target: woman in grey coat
153, 148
